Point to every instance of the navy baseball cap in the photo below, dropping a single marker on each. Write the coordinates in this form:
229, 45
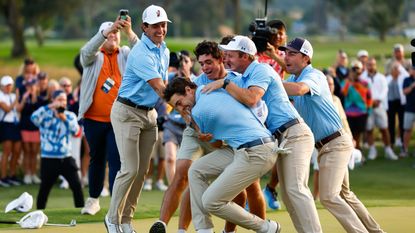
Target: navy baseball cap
300, 45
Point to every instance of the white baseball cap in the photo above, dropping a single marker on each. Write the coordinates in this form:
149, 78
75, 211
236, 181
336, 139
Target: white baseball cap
356, 63
398, 47
105, 25
22, 204
240, 43
155, 14
363, 53
300, 45
6, 80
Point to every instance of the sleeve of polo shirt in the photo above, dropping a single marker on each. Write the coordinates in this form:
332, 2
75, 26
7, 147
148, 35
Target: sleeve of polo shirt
260, 78
146, 68
312, 81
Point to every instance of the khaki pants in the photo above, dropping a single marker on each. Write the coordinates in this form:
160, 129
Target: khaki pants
235, 173
293, 173
335, 193
135, 134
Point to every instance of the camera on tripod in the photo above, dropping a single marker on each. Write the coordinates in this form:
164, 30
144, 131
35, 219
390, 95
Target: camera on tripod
261, 33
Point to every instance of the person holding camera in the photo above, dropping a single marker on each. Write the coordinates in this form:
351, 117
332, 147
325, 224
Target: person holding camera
273, 56
357, 100
56, 126
134, 117
103, 61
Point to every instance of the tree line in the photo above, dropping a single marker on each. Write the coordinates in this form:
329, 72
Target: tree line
191, 18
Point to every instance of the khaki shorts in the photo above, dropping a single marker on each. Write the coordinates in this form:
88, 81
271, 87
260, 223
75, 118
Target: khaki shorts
408, 120
191, 147
378, 118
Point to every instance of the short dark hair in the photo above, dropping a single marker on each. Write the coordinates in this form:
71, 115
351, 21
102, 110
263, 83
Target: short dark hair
178, 86
276, 23
208, 47
226, 39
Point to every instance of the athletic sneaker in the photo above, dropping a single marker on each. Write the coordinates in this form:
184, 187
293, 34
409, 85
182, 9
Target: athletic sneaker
27, 179
271, 196
91, 206
127, 228
158, 227
111, 228
161, 186
273, 227
105, 192
14, 181
36, 179
372, 153
148, 185
64, 184
389, 154
4, 183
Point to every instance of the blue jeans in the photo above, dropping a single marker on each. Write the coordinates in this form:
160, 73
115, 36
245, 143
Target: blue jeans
101, 140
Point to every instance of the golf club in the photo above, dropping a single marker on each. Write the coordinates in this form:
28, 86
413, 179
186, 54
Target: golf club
71, 224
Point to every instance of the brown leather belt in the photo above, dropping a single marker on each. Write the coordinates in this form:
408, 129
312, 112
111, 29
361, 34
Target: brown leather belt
327, 139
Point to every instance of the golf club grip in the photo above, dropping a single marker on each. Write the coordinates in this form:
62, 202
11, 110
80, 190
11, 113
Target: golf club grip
7, 222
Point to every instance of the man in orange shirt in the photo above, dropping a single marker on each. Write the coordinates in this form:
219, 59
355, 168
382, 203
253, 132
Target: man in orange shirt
104, 62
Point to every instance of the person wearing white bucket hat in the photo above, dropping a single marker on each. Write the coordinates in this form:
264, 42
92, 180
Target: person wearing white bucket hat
103, 60
134, 117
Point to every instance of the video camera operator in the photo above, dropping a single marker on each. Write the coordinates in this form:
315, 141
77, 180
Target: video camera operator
273, 56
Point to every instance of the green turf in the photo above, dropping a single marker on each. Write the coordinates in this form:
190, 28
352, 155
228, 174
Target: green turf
379, 183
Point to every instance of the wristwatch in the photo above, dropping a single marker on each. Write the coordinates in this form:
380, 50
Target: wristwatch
225, 83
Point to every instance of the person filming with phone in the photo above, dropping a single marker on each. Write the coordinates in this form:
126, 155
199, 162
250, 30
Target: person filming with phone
56, 126
104, 62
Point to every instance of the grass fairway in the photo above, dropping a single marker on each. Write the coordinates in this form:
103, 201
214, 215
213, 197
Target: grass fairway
386, 187
391, 219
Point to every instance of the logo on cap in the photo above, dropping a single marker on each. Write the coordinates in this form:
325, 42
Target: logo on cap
158, 13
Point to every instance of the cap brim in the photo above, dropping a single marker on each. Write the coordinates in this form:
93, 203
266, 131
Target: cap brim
158, 21
283, 48
226, 47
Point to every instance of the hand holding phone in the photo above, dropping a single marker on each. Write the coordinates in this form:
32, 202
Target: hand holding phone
123, 14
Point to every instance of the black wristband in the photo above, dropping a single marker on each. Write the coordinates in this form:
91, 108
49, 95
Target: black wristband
225, 83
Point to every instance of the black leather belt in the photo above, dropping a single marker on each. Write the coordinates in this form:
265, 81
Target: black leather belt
131, 104
256, 142
327, 139
284, 127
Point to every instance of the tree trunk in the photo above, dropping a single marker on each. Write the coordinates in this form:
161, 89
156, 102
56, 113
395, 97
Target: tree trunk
14, 20
382, 36
39, 35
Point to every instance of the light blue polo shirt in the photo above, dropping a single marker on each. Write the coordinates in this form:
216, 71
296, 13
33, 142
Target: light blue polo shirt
226, 119
145, 62
280, 110
316, 107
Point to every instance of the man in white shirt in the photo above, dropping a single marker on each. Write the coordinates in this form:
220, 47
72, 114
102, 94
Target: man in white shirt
379, 118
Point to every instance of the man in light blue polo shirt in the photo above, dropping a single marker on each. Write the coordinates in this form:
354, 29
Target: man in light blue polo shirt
261, 81
134, 118
310, 92
226, 119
